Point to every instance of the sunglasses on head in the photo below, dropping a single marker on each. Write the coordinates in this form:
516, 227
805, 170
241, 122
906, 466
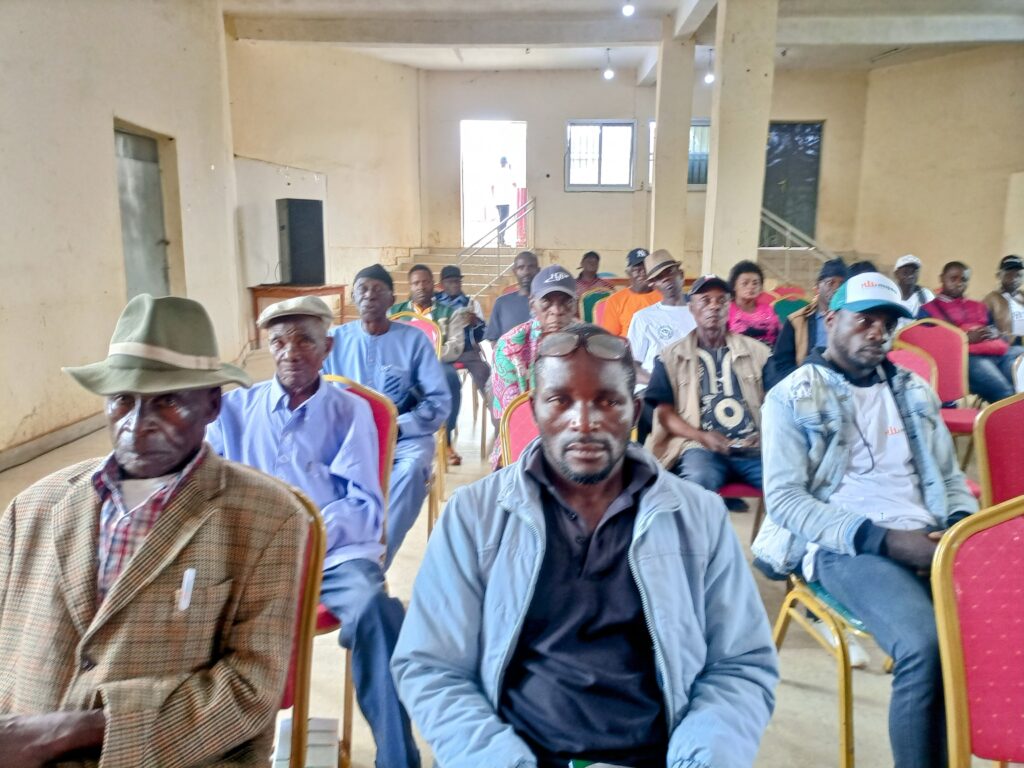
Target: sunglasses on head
602, 346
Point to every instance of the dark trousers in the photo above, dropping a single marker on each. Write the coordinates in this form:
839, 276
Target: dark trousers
502, 218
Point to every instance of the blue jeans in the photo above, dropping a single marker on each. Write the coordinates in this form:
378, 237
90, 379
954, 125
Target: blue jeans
370, 621
455, 387
409, 473
895, 605
991, 377
713, 470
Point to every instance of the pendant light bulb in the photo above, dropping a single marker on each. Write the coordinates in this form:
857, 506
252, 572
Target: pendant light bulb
609, 73
628, 10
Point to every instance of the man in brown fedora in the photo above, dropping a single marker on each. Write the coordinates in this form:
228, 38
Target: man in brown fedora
148, 598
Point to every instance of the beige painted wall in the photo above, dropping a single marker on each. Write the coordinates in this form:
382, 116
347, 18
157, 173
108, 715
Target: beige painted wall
942, 138
68, 69
351, 116
567, 223
837, 99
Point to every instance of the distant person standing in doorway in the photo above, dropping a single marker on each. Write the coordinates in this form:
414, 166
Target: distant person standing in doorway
503, 190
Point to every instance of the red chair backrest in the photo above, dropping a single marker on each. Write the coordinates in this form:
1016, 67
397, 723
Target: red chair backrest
988, 579
425, 324
385, 418
599, 309
916, 360
947, 346
997, 435
517, 429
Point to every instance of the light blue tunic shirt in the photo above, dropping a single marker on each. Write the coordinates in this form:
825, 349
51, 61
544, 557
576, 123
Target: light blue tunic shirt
401, 364
327, 447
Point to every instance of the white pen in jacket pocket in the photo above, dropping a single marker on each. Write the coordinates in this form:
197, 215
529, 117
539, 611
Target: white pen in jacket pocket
185, 593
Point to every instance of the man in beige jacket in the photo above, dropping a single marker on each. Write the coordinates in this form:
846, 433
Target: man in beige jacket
707, 391
148, 599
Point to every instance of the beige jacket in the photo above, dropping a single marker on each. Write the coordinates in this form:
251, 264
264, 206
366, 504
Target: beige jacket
193, 687
683, 368
1000, 309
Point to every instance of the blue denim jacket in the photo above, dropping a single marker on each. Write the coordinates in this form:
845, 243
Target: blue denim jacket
717, 666
805, 458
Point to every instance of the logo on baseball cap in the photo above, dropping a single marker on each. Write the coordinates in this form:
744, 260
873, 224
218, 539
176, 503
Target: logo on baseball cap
552, 279
870, 290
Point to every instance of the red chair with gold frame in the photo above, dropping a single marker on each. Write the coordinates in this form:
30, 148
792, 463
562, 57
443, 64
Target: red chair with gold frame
385, 418
997, 435
296, 691
916, 360
516, 429
436, 492
947, 346
977, 584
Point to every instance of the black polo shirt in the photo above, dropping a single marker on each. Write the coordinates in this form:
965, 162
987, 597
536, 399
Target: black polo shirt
582, 682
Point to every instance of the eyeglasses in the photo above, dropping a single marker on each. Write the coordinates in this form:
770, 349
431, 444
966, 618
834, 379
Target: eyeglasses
602, 346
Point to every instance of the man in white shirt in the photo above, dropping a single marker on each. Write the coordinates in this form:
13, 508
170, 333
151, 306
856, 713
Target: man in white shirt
655, 327
504, 191
912, 296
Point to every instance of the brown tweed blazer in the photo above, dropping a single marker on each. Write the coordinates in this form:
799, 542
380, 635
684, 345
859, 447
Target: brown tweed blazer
192, 687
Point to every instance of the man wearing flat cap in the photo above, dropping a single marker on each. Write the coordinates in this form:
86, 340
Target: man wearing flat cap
149, 597
397, 360
322, 439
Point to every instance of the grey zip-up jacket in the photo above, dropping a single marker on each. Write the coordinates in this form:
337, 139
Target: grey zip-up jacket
716, 663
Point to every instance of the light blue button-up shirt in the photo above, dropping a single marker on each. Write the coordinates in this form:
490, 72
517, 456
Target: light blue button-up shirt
327, 447
400, 364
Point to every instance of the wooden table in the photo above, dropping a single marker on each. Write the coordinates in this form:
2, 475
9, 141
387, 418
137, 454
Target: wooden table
279, 292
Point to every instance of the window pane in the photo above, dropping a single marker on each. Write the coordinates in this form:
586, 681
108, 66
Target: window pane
700, 138
617, 154
652, 130
584, 143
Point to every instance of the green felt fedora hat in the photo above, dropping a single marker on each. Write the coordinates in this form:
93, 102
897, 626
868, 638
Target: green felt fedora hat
160, 345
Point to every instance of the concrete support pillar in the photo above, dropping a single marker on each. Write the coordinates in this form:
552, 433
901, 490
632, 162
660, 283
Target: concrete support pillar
672, 141
740, 107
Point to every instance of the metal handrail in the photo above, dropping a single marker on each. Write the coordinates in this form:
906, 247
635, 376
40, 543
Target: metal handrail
481, 242
802, 239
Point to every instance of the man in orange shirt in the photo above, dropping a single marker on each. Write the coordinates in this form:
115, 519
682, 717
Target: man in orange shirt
622, 305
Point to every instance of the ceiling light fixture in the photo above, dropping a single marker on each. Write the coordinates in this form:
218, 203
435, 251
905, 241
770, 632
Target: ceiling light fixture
609, 73
709, 76
628, 10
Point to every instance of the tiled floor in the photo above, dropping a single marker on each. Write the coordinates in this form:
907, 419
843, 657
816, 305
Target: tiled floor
803, 731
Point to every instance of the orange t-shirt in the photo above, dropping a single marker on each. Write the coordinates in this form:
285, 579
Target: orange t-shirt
622, 305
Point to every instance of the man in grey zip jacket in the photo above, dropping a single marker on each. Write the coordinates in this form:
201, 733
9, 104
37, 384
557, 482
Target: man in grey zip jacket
584, 602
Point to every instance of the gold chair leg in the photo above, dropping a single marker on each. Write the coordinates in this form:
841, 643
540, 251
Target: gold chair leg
432, 508
758, 519
345, 746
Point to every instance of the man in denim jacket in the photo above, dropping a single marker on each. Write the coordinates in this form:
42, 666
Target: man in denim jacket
584, 602
860, 480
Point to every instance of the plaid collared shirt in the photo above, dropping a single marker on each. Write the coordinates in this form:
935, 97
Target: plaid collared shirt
122, 531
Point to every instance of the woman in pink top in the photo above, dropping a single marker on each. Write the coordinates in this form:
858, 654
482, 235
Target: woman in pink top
748, 315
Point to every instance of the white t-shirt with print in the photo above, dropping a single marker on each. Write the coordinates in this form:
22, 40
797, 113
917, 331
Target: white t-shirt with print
880, 482
654, 328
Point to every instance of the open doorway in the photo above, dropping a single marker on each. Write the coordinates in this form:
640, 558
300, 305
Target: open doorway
486, 184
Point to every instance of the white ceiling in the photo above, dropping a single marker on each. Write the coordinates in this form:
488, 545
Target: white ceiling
574, 34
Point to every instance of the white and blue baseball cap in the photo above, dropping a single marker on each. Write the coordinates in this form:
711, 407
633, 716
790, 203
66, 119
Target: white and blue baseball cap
869, 290
551, 280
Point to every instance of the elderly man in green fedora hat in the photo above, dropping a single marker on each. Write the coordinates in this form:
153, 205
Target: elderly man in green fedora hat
149, 597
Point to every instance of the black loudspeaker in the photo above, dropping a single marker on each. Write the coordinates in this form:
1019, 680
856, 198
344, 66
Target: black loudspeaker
300, 228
